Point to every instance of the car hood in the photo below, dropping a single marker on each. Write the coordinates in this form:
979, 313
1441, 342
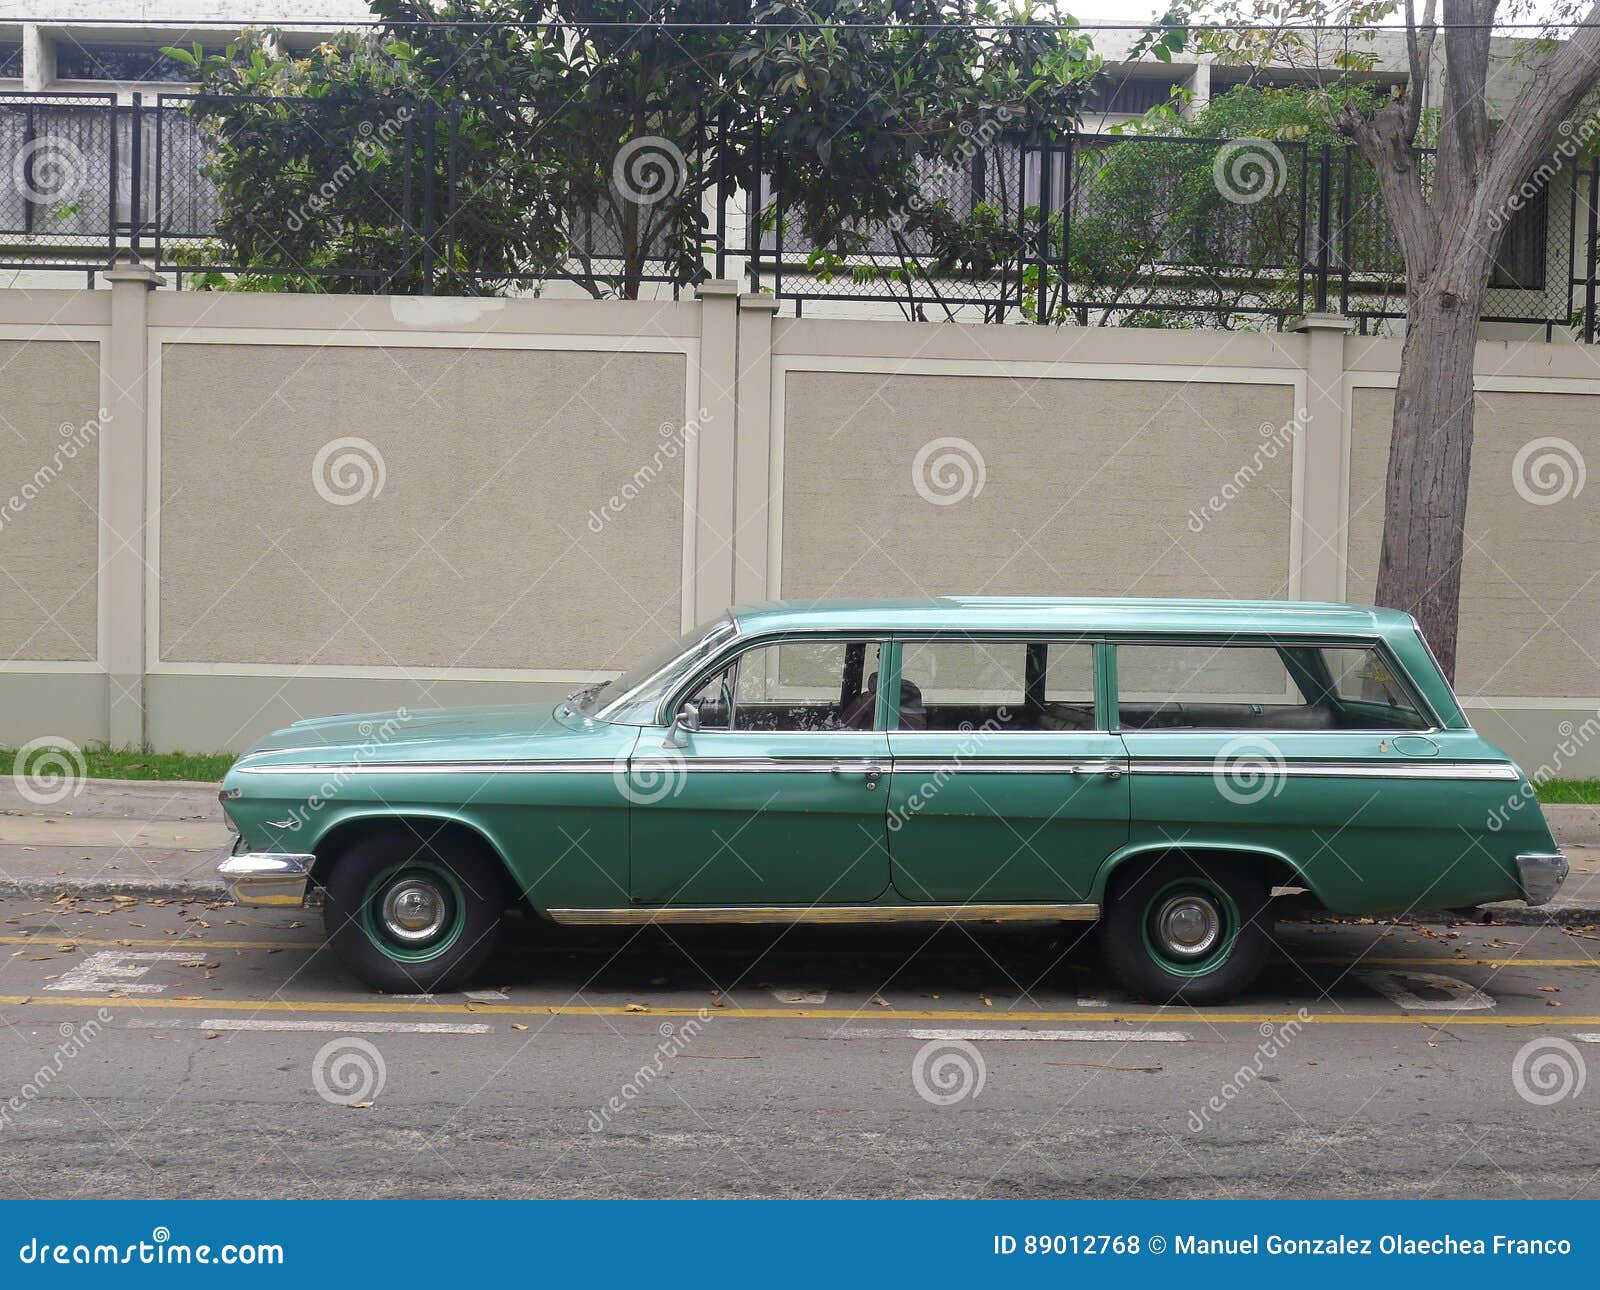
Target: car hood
519, 731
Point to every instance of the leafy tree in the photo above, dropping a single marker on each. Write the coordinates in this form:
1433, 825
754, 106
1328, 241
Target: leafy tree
572, 143
1449, 182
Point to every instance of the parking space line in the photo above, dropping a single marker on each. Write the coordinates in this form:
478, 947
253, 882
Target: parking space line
317, 1027
1187, 1015
1046, 1036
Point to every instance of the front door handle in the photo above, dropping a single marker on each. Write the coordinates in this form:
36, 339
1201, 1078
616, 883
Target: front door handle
873, 774
1111, 770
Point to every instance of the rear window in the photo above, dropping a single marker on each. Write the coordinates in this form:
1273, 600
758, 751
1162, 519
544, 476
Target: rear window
1221, 686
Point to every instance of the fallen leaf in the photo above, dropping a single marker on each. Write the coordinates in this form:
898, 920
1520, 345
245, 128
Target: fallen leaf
879, 1001
1551, 989
517, 1025
361, 1106
213, 1034
636, 1007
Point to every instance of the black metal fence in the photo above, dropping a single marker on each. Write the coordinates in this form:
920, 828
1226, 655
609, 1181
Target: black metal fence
405, 196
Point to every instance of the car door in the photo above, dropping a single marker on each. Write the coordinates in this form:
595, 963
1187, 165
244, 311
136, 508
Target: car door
1310, 750
778, 799
1007, 787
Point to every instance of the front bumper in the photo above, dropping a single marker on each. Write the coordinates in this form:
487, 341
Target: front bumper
268, 879
1541, 874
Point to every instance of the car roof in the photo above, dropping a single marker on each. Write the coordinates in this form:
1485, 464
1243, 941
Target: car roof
1064, 613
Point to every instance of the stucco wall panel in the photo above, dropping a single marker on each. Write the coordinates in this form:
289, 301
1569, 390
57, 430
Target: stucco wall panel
478, 550
1090, 487
1530, 611
49, 499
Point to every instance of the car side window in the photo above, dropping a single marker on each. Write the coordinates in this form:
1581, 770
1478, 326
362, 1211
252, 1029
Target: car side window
794, 685
1221, 686
971, 683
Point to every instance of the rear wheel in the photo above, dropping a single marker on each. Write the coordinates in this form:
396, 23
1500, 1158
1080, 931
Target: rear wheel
413, 916
1180, 932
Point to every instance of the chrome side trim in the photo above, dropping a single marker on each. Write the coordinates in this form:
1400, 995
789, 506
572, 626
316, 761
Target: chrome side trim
1540, 874
585, 767
1333, 769
787, 914
1012, 765
271, 879
802, 765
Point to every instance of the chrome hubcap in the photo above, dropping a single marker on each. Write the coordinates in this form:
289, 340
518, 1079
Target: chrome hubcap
414, 911
1189, 926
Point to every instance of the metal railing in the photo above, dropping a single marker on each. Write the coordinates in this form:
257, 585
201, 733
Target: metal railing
390, 195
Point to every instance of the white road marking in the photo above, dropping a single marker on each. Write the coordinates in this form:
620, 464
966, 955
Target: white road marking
488, 996
118, 971
1093, 1003
1587, 1039
1054, 1036
801, 994
318, 1027
1396, 986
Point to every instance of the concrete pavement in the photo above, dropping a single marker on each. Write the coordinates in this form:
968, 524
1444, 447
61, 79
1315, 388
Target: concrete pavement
224, 1053
126, 837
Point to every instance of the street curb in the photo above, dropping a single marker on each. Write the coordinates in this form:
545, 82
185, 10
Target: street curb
142, 889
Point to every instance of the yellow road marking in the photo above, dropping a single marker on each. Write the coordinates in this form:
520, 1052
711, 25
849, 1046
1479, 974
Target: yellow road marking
182, 942
1187, 1017
1366, 961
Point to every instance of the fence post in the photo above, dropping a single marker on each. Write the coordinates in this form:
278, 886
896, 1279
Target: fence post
135, 168
1069, 177
1044, 233
1594, 250
1324, 224
430, 124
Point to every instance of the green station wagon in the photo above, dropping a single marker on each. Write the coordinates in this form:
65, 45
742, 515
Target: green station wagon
1164, 767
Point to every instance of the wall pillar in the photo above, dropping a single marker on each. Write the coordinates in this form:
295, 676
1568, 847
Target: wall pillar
753, 501
713, 580
1325, 446
125, 397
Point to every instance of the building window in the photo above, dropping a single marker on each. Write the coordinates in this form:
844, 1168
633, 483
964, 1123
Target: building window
1129, 95
1519, 264
128, 63
10, 61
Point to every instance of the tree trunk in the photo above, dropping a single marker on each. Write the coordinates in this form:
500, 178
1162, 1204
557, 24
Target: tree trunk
1430, 456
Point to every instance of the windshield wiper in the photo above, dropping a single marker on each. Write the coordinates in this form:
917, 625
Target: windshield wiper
579, 698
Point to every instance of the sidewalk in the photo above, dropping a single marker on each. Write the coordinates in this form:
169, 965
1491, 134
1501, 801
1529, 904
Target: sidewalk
129, 838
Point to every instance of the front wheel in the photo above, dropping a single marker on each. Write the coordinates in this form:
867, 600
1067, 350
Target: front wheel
413, 916
1180, 932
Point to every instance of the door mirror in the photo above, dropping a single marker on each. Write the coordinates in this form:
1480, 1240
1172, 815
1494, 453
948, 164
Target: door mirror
687, 721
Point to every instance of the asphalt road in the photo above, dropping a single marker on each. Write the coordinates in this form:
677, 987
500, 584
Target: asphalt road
194, 1051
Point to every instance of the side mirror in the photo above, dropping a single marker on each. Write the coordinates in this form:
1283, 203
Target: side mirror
686, 722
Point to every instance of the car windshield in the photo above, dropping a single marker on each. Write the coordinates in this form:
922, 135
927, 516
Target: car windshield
632, 699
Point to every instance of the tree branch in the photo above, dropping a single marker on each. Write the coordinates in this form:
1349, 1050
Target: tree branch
1419, 50
1464, 123
1550, 97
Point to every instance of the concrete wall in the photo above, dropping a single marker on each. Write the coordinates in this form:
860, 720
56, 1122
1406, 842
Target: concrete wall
287, 506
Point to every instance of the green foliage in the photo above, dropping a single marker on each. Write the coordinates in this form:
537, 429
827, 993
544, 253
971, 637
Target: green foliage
854, 98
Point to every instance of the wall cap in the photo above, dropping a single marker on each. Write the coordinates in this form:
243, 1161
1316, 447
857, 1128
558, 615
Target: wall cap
126, 271
758, 300
1321, 322
717, 287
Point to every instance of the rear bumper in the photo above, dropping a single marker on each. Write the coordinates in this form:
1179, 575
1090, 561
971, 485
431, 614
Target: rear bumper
1541, 874
268, 879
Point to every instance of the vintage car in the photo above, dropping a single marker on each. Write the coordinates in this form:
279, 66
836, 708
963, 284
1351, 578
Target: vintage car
1164, 767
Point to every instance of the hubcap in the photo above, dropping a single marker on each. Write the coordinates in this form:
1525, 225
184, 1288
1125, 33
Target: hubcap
414, 911
1189, 926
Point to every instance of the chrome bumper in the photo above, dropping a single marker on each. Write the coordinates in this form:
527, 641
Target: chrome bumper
272, 879
1541, 874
